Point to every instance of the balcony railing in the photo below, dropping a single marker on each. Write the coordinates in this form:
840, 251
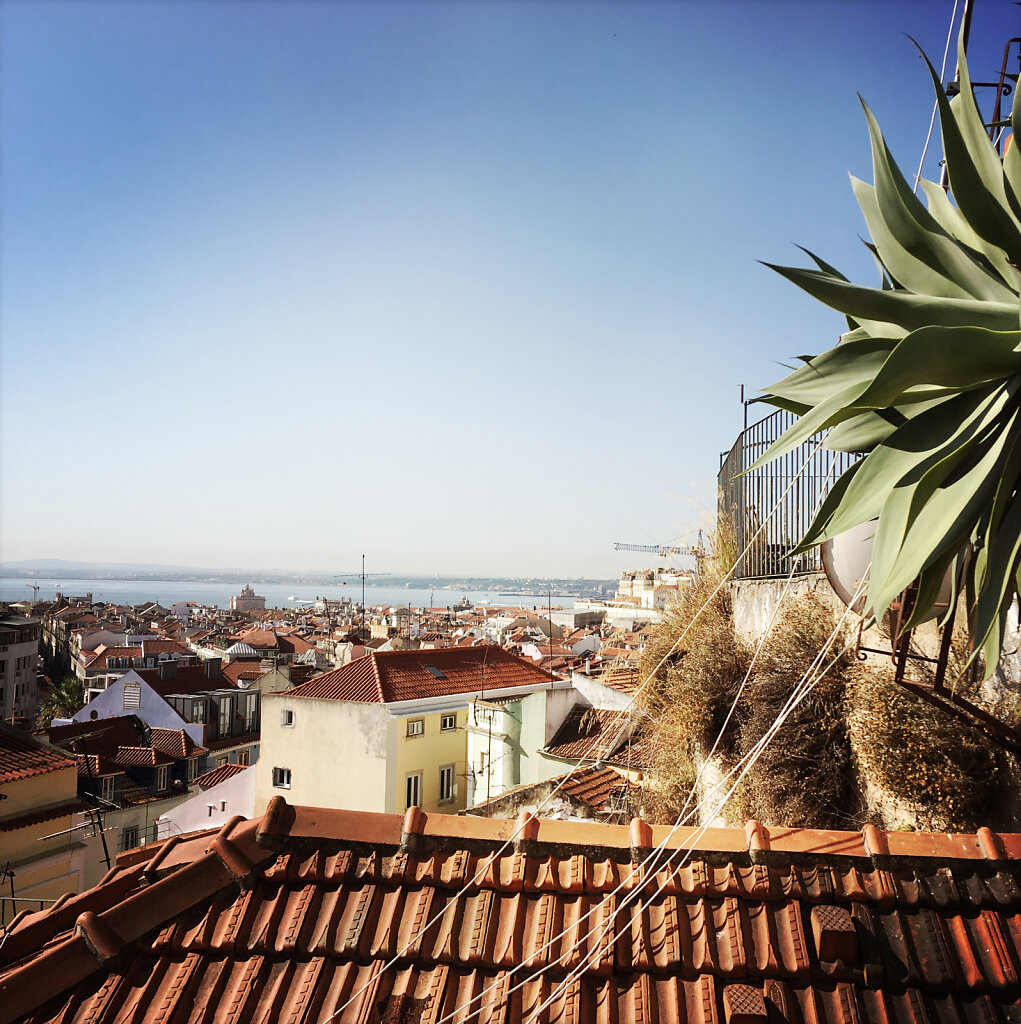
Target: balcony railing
783, 495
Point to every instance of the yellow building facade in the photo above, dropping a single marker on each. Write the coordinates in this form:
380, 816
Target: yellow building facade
41, 854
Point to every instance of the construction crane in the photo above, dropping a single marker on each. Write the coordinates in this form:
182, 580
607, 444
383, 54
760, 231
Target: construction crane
665, 550
34, 587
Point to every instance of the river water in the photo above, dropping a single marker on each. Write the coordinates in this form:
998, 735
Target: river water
278, 595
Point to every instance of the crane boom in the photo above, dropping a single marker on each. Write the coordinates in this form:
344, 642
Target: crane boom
655, 549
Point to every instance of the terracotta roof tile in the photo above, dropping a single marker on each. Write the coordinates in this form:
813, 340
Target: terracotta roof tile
141, 757
22, 756
590, 732
742, 933
175, 743
247, 670
218, 775
385, 676
592, 785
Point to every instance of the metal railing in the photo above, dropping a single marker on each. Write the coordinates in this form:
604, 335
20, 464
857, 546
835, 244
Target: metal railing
749, 499
10, 906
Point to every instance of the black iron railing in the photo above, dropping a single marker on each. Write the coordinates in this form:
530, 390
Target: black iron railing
791, 485
11, 906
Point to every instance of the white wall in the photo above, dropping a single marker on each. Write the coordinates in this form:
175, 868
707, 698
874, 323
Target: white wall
599, 695
336, 751
213, 807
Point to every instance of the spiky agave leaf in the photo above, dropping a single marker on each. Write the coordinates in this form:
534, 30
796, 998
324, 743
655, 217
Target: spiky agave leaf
927, 382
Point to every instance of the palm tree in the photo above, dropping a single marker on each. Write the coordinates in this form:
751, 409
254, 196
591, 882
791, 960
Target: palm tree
927, 380
64, 700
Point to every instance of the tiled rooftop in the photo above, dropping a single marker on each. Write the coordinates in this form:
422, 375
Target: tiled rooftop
288, 917
407, 675
593, 733
591, 784
22, 757
176, 743
217, 775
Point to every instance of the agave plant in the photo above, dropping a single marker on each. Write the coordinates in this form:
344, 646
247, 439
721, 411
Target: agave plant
927, 379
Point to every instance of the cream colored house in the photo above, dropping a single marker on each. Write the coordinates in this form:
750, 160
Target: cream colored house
41, 851
384, 732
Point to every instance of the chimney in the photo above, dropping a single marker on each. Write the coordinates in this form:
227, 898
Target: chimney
168, 669
213, 668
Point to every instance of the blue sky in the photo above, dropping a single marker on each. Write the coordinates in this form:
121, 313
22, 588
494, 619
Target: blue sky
468, 287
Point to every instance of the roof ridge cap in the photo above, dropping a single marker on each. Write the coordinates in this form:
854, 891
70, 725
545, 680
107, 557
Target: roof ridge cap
378, 678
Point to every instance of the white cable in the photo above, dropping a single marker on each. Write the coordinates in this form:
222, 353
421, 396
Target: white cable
585, 757
800, 690
760, 644
935, 106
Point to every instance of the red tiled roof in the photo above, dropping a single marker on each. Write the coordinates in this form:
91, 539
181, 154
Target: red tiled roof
218, 775
291, 644
385, 676
103, 653
591, 784
141, 757
589, 732
175, 743
23, 757
258, 638
189, 679
594, 786
91, 765
242, 670
797, 926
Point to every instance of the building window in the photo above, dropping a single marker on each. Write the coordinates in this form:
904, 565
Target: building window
162, 778
108, 786
221, 761
252, 714
448, 722
129, 837
243, 757
132, 695
282, 778
416, 726
193, 768
446, 783
413, 790
287, 718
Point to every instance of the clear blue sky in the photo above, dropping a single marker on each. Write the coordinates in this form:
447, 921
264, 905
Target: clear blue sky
467, 287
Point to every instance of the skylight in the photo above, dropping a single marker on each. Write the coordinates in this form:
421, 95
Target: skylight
436, 672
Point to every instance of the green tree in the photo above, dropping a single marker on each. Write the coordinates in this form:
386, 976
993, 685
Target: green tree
927, 380
65, 699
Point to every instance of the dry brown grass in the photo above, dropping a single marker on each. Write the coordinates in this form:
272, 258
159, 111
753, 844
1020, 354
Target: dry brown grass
855, 730
943, 768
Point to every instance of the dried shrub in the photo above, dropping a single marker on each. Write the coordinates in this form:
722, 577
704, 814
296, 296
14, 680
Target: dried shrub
941, 770
695, 664
804, 777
